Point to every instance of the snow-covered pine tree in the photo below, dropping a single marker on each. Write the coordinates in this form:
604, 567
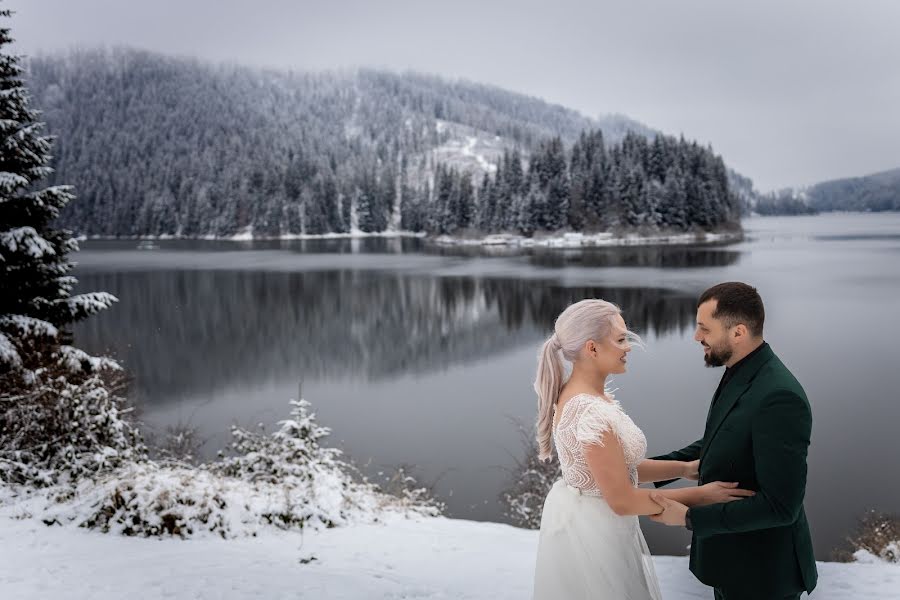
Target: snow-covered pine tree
466, 203
485, 204
440, 217
58, 408
675, 200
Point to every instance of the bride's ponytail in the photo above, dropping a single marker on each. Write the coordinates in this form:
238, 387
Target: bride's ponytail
547, 384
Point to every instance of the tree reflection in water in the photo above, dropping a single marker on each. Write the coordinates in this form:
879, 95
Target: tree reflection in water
198, 331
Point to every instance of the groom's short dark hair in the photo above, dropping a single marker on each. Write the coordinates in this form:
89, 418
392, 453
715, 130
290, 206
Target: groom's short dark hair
736, 303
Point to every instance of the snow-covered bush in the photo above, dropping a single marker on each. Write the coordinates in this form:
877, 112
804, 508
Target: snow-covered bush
876, 539
180, 442
287, 479
531, 480
292, 453
62, 428
405, 490
150, 499
890, 553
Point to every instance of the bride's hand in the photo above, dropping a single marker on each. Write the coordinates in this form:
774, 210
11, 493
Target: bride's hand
720, 491
672, 511
692, 470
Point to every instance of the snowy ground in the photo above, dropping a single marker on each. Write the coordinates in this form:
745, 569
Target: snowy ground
429, 558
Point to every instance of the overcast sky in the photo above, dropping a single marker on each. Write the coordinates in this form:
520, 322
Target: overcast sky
790, 93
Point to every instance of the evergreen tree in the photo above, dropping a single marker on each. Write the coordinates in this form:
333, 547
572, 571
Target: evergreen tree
466, 202
502, 197
386, 194
440, 218
486, 205
36, 307
58, 410
631, 194
674, 209
528, 210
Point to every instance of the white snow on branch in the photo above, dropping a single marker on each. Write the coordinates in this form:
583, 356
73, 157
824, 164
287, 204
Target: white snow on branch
29, 326
89, 303
75, 360
14, 92
40, 172
26, 239
8, 353
10, 181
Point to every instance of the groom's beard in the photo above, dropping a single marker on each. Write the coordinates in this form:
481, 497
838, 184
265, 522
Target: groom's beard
716, 357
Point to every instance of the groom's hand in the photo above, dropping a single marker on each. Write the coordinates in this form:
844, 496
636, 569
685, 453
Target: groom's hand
692, 470
673, 512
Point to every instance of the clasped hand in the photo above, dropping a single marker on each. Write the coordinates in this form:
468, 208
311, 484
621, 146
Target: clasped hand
673, 512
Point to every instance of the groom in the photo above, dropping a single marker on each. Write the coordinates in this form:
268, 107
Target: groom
757, 433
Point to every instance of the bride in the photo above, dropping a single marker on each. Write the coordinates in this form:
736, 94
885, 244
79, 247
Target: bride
590, 544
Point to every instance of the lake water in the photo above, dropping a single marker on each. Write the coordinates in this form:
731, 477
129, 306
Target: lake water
425, 356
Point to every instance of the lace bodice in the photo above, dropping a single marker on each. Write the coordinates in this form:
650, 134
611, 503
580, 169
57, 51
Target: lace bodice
584, 420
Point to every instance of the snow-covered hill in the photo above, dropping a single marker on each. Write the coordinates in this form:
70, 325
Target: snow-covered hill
157, 145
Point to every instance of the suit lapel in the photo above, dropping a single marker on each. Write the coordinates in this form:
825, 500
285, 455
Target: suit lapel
732, 392
728, 398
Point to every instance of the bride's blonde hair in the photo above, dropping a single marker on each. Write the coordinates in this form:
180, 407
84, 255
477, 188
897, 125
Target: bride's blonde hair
590, 319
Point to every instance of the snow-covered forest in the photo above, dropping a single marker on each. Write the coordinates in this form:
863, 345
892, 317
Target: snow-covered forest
157, 145
870, 193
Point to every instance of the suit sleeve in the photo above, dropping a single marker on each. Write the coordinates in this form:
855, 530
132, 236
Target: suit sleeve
781, 433
686, 454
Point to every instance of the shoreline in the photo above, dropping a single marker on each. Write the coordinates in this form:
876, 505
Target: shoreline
562, 240
594, 240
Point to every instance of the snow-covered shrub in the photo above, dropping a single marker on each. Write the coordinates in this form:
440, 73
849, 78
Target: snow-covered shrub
890, 554
180, 442
287, 479
60, 428
143, 498
150, 499
320, 485
292, 452
876, 539
405, 490
531, 480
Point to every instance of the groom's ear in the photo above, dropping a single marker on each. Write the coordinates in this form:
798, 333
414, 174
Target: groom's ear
740, 331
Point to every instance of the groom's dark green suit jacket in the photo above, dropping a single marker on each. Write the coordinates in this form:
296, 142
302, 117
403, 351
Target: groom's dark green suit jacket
757, 433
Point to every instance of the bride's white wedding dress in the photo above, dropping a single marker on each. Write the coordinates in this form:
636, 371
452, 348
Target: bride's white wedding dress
585, 550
